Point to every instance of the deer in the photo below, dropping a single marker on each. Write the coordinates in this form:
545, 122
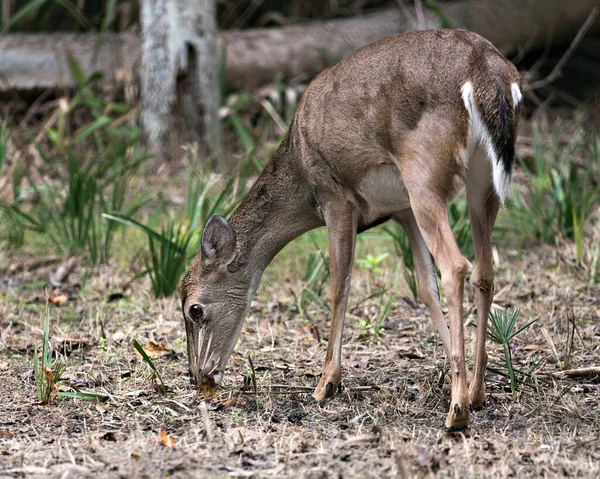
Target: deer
391, 132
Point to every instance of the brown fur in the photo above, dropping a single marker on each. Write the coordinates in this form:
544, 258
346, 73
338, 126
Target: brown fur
393, 104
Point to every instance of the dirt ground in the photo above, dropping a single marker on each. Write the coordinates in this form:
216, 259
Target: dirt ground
386, 422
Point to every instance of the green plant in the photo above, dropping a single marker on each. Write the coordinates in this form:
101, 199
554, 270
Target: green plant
171, 249
373, 326
595, 266
381, 316
72, 218
315, 276
4, 136
458, 217
561, 192
168, 258
101, 158
149, 362
403, 249
502, 329
47, 373
61, 15
371, 263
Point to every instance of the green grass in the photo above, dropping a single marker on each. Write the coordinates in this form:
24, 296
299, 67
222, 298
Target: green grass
404, 251
171, 249
150, 363
90, 165
561, 192
61, 15
48, 372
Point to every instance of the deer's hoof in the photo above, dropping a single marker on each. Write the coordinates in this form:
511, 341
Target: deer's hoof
327, 387
458, 418
477, 397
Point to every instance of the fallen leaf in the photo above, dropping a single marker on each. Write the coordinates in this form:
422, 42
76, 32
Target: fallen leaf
306, 333
6, 434
155, 350
230, 402
165, 440
58, 300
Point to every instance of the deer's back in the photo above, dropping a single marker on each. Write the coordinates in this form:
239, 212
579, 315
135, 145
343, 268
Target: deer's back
358, 114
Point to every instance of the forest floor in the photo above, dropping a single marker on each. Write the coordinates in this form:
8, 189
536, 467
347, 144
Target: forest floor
262, 421
387, 420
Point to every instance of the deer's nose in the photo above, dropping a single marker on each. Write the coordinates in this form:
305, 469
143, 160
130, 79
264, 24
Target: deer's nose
211, 379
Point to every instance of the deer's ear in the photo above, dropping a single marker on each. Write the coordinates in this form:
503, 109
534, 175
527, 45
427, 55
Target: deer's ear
218, 240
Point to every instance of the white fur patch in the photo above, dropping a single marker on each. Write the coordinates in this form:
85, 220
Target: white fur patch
479, 132
385, 192
516, 94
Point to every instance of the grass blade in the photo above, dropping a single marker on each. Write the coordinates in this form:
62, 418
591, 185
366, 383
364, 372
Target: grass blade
149, 362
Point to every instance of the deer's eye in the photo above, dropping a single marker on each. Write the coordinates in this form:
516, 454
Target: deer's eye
196, 313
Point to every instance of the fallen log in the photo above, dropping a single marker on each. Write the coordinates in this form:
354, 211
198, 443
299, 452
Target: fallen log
254, 57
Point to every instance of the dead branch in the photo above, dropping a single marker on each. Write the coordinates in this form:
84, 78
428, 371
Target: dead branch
587, 373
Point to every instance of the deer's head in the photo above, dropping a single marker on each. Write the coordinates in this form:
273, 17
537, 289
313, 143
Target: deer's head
215, 294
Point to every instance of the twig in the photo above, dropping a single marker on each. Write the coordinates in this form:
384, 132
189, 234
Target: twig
274, 115
32, 264
63, 271
205, 420
591, 372
283, 389
567, 55
548, 339
253, 380
570, 339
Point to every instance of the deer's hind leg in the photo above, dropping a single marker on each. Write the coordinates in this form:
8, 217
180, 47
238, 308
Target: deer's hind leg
426, 274
483, 208
428, 172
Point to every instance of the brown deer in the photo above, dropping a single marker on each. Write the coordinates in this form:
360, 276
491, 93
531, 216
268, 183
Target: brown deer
390, 132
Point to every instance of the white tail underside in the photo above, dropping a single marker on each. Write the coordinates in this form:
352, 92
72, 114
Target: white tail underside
479, 133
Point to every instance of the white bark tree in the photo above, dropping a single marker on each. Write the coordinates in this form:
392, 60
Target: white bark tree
179, 75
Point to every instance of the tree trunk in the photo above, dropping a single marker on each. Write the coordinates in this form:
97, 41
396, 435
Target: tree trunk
179, 85
255, 57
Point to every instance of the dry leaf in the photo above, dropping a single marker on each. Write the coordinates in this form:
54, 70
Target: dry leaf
49, 376
306, 333
165, 440
230, 402
155, 350
58, 300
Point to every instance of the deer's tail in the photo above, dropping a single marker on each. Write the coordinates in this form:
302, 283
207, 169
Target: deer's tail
493, 116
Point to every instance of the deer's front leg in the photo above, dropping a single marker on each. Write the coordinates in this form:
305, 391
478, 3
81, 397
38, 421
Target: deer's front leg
341, 228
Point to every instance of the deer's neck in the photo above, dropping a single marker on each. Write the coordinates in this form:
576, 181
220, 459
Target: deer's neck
278, 208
